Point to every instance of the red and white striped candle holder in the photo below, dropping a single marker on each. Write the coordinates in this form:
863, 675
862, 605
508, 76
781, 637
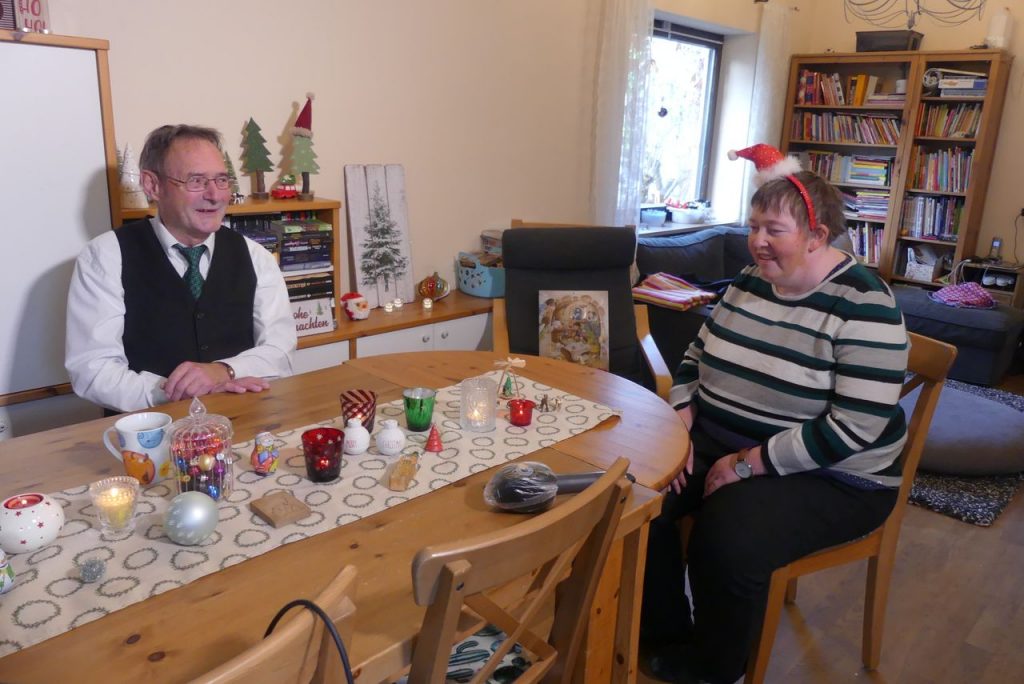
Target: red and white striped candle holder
360, 404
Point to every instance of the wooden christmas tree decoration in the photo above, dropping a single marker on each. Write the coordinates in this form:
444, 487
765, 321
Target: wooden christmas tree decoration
256, 158
303, 156
434, 441
509, 386
236, 195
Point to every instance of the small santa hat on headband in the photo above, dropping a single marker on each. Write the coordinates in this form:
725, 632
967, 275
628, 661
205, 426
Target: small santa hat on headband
304, 123
770, 163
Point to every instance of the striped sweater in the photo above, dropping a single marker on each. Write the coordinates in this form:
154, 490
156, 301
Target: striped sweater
815, 378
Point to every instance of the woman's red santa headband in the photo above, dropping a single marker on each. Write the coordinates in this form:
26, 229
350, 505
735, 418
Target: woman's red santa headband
771, 164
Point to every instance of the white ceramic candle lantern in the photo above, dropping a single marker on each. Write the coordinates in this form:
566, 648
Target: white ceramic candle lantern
390, 439
357, 438
28, 522
478, 404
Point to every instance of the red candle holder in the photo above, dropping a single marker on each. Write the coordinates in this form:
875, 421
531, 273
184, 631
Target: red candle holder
360, 404
321, 448
520, 411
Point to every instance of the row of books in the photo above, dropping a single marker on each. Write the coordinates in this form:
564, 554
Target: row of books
932, 217
862, 169
835, 90
945, 170
867, 241
949, 121
880, 129
310, 286
257, 227
866, 204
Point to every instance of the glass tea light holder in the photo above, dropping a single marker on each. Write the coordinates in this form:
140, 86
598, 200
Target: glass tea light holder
360, 404
520, 412
419, 408
115, 500
321, 448
428, 303
478, 404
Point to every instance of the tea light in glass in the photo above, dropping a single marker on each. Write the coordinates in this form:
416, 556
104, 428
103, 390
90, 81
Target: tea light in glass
477, 407
428, 303
115, 499
388, 307
398, 302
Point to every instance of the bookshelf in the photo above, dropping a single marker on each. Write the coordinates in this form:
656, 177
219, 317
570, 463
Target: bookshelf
914, 166
325, 210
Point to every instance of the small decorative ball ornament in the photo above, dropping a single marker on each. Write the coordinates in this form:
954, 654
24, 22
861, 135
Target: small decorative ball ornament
391, 439
92, 570
191, 518
28, 522
206, 462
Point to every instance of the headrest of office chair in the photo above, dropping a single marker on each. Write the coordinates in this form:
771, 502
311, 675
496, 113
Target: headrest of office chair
588, 248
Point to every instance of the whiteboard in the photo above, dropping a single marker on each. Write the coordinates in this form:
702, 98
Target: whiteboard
54, 198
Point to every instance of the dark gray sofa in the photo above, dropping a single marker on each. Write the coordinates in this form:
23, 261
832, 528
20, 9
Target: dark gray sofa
709, 258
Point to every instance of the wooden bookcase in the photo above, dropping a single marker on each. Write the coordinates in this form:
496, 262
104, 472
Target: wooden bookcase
896, 135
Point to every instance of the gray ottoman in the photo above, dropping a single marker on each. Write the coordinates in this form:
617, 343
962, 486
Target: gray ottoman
986, 339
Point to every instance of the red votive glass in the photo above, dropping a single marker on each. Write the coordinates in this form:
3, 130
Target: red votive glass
321, 448
360, 404
520, 411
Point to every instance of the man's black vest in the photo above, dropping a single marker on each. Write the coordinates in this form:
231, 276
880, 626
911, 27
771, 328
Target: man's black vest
163, 325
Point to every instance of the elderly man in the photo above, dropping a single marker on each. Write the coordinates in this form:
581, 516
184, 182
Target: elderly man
172, 307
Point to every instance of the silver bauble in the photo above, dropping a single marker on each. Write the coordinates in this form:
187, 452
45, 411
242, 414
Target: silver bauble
191, 518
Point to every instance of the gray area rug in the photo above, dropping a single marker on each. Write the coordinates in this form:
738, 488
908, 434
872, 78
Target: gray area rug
974, 430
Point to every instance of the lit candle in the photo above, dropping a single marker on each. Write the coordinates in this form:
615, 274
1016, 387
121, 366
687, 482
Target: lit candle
114, 500
398, 302
428, 303
388, 307
22, 501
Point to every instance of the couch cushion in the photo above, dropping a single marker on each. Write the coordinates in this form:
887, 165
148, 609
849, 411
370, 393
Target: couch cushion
979, 328
703, 256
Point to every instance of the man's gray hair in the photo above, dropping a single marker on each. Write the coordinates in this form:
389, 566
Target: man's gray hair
154, 152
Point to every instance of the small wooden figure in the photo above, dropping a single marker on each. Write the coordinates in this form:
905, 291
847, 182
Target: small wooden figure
264, 454
509, 386
402, 472
279, 508
434, 441
256, 158
303, 156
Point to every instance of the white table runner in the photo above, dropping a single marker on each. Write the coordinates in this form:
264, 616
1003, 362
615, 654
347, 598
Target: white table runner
49, 599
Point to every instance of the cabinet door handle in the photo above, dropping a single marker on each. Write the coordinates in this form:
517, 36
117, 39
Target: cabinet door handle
444, 335
426, 338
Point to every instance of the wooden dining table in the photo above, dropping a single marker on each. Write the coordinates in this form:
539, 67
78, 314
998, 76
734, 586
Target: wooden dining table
182, 633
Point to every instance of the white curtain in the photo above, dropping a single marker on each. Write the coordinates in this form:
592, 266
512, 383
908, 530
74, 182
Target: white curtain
620, 110
771, 75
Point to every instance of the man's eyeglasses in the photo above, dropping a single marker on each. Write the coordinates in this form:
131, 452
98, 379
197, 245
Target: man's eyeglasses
198, 183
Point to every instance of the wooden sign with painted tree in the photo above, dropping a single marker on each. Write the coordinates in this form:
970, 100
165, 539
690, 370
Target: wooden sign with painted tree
256, 159
303, 156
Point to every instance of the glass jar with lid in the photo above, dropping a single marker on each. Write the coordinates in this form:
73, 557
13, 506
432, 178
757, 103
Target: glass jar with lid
201, 452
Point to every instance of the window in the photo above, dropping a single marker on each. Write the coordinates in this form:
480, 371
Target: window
680, 124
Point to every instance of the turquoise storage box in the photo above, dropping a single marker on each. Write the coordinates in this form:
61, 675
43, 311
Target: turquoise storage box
479, 281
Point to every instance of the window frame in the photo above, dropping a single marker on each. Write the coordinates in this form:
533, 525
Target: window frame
664, 28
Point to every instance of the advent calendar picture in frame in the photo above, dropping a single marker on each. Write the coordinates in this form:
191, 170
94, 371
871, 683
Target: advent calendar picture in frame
573, 326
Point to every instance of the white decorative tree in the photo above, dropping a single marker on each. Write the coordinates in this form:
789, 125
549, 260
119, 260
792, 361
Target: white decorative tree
132, 195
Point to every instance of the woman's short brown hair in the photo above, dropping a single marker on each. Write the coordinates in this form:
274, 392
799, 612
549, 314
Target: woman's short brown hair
780, 194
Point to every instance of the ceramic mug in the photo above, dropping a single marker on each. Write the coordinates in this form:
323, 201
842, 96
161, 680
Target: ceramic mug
144, 443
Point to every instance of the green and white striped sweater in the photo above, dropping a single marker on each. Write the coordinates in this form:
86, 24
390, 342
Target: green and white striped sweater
815, 378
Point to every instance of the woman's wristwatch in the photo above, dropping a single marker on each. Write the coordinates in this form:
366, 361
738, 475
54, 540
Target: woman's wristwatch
229, 369
743, 469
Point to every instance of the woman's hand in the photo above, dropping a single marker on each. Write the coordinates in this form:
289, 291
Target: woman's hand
677, 483
723, 472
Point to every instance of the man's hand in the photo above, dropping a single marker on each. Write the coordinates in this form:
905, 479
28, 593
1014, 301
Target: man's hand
191, 379
677, 483
243, 385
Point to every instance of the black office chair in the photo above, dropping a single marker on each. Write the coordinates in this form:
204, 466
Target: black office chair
586, 258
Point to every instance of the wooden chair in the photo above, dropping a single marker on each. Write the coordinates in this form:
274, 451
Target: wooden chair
300, 649
564, 549
929, 362
576, 258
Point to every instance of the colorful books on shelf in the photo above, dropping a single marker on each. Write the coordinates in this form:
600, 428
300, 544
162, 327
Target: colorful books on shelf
864, 129
866, 205
944, 170
258, 228
948, 120
867, 241
936, 218
860, 169
963, 87
310, 285
819, 88
305, 244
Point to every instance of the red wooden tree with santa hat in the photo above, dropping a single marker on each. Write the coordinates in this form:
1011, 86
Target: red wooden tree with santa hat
303, 156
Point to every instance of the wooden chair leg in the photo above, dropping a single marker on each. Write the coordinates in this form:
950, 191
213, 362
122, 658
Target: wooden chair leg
876, 596
757, 664
791, 591
627, 623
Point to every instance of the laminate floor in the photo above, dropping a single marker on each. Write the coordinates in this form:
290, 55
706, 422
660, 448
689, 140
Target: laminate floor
955, 614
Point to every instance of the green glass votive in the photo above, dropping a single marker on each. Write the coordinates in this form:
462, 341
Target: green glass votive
419, 408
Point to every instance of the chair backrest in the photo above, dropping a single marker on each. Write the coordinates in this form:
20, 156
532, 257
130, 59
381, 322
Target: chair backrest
566, 547
579, 259
927, 366
299, 647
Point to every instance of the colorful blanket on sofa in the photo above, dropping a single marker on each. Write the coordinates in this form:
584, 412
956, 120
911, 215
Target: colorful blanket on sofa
671, 292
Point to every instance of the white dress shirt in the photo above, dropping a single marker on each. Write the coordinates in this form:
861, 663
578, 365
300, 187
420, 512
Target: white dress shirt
94, 351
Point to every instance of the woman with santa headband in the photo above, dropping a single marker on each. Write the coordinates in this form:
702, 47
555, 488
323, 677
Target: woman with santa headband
790, 392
